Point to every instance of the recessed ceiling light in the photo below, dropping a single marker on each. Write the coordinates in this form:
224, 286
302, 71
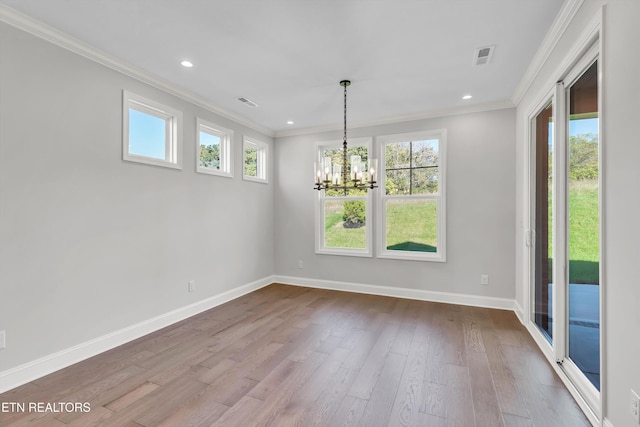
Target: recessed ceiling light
289, 122
187, 64
467, 97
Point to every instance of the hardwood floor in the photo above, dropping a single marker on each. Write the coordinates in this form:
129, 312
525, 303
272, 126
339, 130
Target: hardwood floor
294, 356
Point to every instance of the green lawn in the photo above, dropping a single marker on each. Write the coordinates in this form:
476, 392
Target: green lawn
584, 231
337, 236
411, 226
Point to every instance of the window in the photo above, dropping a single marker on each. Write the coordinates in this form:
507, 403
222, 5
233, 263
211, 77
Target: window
214, 153
151, 132
254, 160
343, 221
412, 206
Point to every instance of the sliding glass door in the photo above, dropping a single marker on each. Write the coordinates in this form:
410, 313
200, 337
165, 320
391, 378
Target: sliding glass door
566, 209
543, 259
583, 225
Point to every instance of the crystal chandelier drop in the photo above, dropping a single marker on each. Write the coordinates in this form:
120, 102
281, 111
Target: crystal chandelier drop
345, 176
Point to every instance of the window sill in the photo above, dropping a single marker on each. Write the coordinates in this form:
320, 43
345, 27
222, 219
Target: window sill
412, 256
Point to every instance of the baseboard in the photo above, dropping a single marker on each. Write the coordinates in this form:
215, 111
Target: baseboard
30, 371
517, 308
392, 291
607, 423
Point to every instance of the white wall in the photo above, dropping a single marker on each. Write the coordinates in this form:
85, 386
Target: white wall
89, 243
622, 204
621, 86
480, 210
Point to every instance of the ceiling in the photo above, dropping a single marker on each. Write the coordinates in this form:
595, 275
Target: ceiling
405, 58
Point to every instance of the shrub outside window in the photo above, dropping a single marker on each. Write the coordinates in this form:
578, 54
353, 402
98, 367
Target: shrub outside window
412, 200
214, 149
343, 221
151, 132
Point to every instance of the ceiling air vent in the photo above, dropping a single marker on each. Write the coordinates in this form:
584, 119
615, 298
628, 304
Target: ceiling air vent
247, 101
482, 55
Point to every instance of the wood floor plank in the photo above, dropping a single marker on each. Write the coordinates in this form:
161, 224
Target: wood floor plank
434, 399
531, 366
504, 380
428, 420
511, 420
349, 413
294, 356
96, 417
406, 408
485, 401
376, 359
241, 414
380, 405
201, 411
323, 409
459, 402
276, 402
147, 412
132, 397
365, 342
209, 375
295, 412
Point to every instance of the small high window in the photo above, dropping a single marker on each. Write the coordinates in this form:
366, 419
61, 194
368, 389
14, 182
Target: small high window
255, 160
214, 152
151, 132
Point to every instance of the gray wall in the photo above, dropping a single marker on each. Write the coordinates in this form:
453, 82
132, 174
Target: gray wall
621, 85
480, 210
89, 243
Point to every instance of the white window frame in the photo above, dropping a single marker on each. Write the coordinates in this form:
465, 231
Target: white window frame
441, 254
173, 130
226, 148
367, 251
262, 159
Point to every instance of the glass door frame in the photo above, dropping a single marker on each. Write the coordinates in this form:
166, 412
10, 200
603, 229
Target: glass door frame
558, 348
588, 390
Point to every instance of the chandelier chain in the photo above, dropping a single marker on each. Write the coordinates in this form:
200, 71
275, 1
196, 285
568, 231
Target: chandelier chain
345, 172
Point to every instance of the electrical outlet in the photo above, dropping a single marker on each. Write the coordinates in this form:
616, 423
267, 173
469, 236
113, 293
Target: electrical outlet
192, 286
300, 264
484, 279
3, 339
635, 406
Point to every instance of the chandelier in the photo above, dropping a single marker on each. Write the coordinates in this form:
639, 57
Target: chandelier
344, 176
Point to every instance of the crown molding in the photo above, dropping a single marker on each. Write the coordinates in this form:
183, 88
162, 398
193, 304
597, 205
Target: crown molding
50, 34
558, 27
440, 112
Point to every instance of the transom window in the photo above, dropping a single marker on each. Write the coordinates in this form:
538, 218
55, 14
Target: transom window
151, 132
412, 207
214, 153
255, 160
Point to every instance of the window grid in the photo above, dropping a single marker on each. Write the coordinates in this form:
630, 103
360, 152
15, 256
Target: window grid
433, 201
411, 168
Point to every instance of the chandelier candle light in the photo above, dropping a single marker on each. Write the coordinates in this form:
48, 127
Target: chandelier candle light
345, 176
